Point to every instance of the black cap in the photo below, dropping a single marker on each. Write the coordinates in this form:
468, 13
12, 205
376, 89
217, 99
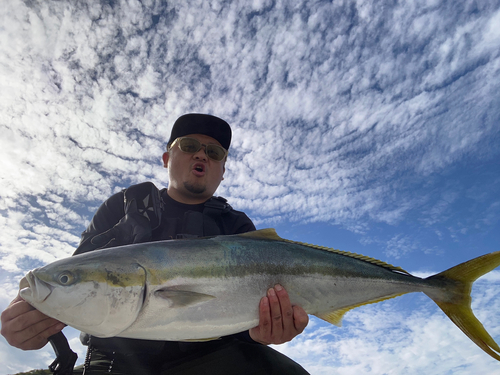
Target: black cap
197, 123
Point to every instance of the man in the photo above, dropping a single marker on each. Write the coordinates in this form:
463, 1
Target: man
195, 159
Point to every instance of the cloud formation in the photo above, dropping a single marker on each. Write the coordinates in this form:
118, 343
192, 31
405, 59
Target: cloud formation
380, 119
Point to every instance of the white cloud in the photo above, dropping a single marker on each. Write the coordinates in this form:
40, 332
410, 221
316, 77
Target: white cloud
360, 115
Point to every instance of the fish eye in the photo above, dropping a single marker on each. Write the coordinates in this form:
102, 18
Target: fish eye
65, 278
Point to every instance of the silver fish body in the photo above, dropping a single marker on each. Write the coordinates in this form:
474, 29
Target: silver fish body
205, 288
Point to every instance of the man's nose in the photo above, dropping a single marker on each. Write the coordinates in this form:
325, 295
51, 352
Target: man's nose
201, 154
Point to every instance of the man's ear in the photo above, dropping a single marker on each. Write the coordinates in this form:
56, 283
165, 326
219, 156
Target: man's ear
165, 159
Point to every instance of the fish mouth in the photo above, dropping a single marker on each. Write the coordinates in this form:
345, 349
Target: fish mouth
32, 289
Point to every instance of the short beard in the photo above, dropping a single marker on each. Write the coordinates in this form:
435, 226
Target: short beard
195, 189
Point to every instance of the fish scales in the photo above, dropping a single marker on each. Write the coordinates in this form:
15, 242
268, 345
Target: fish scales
211, 287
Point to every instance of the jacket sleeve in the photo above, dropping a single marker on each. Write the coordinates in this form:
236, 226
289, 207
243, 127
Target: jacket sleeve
106, 217
239, 222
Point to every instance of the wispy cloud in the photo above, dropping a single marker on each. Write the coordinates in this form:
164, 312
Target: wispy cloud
336, 94
364, 116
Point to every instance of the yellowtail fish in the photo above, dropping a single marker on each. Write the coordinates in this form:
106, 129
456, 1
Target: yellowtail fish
198, 289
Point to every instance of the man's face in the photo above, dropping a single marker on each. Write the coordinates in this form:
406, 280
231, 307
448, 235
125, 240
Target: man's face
193, 178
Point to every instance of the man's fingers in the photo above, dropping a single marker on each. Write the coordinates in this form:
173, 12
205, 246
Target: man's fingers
16, 308
286, 311
265, 317
26, 328
276, 315
263, 330
30, 321
36, 336
279, 321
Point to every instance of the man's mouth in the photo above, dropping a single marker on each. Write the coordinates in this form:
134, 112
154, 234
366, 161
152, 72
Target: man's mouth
199, 169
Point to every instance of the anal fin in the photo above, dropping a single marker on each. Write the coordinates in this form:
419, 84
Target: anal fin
335, 316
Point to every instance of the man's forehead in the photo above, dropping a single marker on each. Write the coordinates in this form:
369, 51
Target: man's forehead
204, 138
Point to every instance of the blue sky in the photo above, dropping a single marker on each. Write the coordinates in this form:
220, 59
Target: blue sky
372, 128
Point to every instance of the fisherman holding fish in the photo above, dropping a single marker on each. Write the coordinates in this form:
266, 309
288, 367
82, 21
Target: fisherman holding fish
195, 159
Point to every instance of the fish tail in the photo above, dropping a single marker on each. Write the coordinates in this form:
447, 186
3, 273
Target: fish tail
454, 298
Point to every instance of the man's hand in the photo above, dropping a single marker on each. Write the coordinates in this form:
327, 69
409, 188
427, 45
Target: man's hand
279, 321
26, 328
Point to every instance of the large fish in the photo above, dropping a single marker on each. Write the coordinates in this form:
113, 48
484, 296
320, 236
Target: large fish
211, 287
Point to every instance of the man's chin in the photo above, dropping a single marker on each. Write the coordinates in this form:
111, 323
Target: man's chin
195, 188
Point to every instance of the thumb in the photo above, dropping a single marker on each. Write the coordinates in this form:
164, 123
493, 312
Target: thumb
300, 318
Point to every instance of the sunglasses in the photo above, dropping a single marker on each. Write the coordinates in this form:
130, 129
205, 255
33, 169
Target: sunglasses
192, 146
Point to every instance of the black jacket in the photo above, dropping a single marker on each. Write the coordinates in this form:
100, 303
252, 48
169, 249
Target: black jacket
176, 219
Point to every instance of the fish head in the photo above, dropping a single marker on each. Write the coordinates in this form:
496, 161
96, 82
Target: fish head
101, 297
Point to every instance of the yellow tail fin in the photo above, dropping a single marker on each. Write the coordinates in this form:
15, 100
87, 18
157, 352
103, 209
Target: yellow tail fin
456, 299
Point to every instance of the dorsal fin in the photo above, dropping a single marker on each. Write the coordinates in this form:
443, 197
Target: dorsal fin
354, 255
270, 234
263, 234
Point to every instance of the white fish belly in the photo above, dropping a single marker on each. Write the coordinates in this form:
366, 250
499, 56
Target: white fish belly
235, 307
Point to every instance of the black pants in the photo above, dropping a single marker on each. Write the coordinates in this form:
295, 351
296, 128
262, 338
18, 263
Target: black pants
233, 357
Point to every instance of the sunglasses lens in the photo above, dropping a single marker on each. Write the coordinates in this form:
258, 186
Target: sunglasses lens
215, 152
191, 146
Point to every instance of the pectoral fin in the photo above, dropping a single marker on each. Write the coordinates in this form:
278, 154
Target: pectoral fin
182, 298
